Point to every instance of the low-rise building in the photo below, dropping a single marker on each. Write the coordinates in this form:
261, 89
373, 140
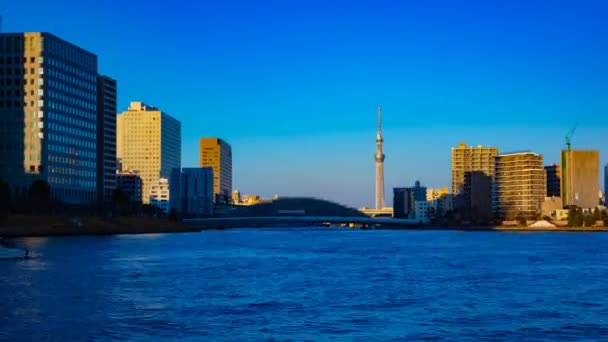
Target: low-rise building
440, 201
421, 211
131, 184
551, 207
159, 195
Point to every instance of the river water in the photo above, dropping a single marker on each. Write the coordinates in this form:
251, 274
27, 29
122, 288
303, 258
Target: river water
309, 284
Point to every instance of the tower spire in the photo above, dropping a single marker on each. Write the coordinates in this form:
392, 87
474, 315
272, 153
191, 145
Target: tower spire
379, 119
379, 164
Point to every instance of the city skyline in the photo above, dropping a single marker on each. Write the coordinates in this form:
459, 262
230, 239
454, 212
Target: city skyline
553, 77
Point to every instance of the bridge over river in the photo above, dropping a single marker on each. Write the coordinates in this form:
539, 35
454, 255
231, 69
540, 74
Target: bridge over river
244, 222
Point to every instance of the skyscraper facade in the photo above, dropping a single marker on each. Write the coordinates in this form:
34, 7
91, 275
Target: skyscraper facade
519, 186
580, 178
148, 141
106, 139
554, 181
48, 126
217, 154
379, 157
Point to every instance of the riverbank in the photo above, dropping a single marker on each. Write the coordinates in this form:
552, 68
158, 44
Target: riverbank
31, 226
36, 226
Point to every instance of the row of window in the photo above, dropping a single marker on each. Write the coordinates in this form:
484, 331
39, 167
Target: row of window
19, 93
69, 69
63, 50
52, 74
70, 141
91, 106
71, 89
71, 181
19, 82
70, 160
24, 60
20, 71
61, 117
69, 150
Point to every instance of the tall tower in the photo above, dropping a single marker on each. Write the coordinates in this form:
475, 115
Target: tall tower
379, 164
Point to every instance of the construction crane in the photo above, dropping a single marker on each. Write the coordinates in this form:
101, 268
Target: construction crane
569, 136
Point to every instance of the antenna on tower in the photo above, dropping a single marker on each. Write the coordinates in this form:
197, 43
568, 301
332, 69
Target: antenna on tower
379, 118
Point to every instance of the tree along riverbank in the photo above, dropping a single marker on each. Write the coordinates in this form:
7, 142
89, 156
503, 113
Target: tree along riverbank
29, 226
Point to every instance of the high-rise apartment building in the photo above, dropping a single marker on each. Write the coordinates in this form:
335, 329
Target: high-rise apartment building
48, 126
520, 185
192, 191
472, 163
148, 141
106, 139
468, 159
554, 181
580, 178
217, 154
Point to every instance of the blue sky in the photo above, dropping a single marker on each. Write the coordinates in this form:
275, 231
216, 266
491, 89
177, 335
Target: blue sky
294, 85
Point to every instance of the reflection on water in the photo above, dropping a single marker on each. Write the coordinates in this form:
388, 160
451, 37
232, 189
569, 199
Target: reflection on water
309, 285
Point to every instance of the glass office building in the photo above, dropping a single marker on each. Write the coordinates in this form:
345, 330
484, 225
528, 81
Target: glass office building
48, 97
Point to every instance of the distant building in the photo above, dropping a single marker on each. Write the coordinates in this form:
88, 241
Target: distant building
217, 154
236, 197
48, 115
106, 139
580, 178
520, 186
421, 211
418, 192
476, 197
552, 207
131, 184
148, 140
554, 182
440, 201
192, 191
468, 160
434, 194
403, 206
159, 195
605, 183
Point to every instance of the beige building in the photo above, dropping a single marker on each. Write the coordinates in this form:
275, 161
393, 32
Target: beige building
580, 178
148, 141
520, 185
472, 163
217, 154
434, 194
